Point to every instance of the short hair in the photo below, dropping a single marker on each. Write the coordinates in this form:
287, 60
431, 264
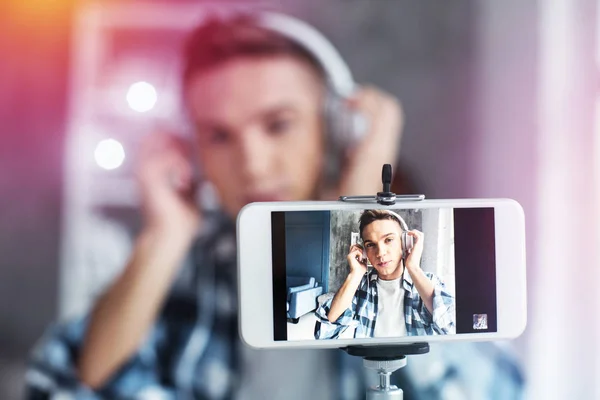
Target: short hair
370, 216
219, 40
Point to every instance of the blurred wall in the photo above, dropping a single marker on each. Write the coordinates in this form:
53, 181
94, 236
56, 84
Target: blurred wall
33, 78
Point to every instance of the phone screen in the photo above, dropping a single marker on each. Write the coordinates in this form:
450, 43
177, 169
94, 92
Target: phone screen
343, 274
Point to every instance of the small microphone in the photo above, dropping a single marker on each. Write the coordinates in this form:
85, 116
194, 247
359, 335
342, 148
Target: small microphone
386, 197
386, 177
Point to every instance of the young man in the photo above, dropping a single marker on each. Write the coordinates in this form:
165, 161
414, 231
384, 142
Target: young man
167, 327
397, 298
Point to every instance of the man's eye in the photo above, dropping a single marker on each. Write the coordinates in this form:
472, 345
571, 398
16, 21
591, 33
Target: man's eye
388, 240
279, 126
370, 245
218, 137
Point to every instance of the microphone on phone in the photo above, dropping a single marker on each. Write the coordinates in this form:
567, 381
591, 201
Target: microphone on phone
386, 197
386, 178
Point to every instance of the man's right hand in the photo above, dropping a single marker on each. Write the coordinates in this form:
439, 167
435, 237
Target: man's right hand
131, 304
165, 177
343, 298
357, 266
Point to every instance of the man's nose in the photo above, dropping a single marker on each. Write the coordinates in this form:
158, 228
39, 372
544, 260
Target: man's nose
254, 155
381, 251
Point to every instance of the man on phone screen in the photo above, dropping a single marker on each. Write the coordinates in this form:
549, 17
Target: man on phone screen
167, 327
397, 298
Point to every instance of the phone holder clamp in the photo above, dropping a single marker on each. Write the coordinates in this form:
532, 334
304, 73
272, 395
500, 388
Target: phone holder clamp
385, 197
386, 360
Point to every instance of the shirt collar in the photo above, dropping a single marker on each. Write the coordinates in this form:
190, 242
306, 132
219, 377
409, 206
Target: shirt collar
407, 281
373, 275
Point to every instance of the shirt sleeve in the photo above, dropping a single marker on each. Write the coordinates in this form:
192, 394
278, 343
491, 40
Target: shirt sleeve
52, 369
443, 319
325, 329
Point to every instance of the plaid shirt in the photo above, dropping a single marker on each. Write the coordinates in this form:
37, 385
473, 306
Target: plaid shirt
193, 351
363, 312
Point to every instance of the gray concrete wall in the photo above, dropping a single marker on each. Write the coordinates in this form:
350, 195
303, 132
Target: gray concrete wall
342, 226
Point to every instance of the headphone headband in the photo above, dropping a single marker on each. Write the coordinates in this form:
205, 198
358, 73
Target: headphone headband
337, 72
403, 224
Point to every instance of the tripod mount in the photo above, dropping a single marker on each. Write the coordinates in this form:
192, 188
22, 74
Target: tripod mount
386, 360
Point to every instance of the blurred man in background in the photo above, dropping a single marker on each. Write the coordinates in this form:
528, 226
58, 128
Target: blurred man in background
167, 327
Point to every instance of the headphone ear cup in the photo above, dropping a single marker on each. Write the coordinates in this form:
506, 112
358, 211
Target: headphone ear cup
407, 244
344, 128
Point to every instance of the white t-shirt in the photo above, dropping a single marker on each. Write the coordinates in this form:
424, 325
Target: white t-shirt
390, 309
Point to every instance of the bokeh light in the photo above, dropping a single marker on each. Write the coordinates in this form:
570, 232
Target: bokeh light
141, 96
109, 154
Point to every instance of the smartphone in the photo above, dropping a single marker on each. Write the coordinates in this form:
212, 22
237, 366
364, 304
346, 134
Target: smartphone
292, 266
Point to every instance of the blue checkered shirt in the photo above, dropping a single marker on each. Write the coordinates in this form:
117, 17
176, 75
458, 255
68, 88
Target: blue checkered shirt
362, 314
193, 351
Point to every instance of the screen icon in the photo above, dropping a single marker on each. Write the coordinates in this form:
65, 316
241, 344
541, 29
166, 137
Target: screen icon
480, 321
